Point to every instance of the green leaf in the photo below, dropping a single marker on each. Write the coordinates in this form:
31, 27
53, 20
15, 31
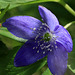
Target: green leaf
69, 72
3, 48
4, 32
47, 72
3, 12
71, 60
13, 3
9, 42
27, 70
9, 39
0, 12
5, 59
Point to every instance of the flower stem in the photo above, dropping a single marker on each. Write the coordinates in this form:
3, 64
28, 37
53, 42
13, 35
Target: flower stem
67, 7
69, 24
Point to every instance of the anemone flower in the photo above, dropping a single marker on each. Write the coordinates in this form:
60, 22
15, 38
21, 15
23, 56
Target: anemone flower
47, 38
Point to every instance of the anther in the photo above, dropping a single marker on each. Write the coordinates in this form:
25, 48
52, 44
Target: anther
55, 42
36, 47
43, 23
42, 48
44, 52
47, 46
40, 27
34, 28
49, 49
33, 47
55, 46
39, 33
41, 45
37, 36
42, 19
38, 51
44, 42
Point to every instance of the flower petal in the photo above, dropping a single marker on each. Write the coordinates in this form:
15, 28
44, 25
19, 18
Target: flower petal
57, 60
48, 17
29, 53
22, 26
64, 38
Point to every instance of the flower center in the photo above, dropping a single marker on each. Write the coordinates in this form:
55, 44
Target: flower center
47, 37
45, 40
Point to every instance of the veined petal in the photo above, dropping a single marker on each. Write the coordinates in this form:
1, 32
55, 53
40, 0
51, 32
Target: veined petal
64, 38
57, 60
29, 53
48, 17
22, 26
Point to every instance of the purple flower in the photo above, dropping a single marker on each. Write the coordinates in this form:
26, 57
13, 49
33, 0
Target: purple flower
47, 38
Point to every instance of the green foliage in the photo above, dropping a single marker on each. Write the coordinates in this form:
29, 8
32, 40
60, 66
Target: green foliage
71, 60
4, 11
71, 27
13, 3
47, 72
9, 39
3, 49
7, 64
10, 44
4, 32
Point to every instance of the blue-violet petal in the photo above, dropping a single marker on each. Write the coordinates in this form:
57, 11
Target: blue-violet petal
57, 60
22, 26
64, 38
48, 17
29, 53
